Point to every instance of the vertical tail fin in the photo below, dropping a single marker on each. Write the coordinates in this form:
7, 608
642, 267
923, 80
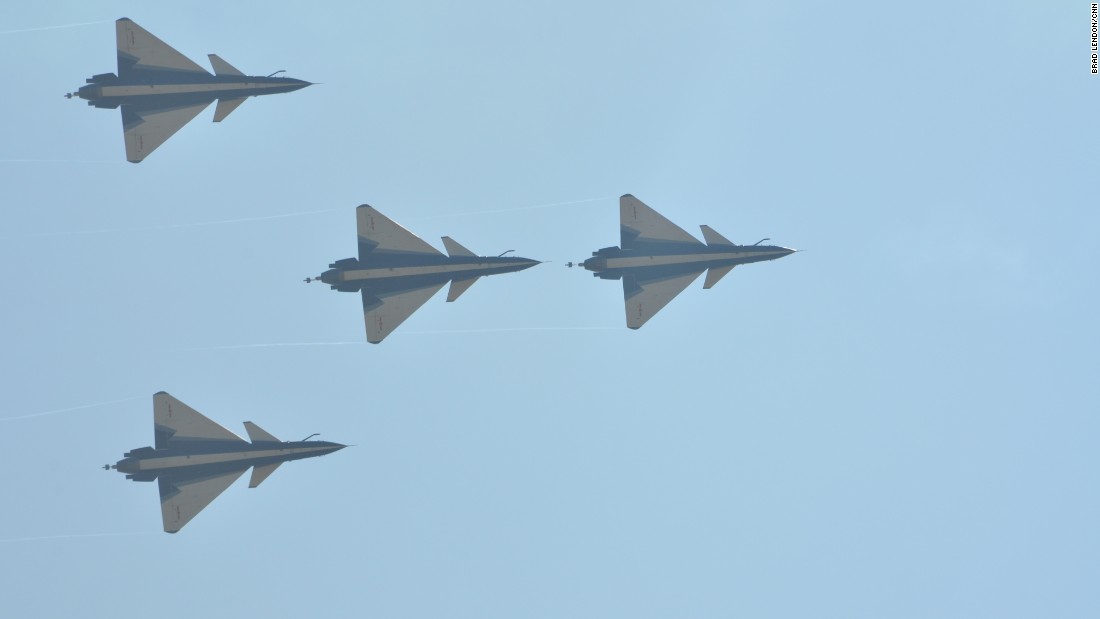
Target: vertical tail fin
454, 249
222, 67
713, 238
258, 434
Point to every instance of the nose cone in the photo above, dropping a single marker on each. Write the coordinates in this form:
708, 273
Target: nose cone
292, 84
334, 447
508, 264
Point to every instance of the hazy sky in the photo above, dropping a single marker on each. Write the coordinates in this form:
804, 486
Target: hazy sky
899, 422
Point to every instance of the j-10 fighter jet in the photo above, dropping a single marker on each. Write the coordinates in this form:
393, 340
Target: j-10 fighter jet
658, 259
194, 458
161, 90
397, 272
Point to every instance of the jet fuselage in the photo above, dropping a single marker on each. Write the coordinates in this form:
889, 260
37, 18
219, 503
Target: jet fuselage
147, 463
613, 262
348, 275
109, 91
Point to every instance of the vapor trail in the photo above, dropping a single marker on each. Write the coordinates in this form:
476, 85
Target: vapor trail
56, 161
71, 408
197, 224
272, 345
219, 222
520, 208
508, 330
86, 23
360, 343
71, 536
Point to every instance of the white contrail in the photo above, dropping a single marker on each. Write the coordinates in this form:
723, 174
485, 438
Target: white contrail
272, 345
196, 224
508, 330
519, 208
363, 343
56, 161
71, 536
219, 222
71, 408
72, 232
40, 28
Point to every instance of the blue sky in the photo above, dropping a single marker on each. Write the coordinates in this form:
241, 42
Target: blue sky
900, 421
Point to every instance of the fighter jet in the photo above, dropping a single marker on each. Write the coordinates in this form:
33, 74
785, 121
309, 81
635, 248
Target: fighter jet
397, 271
161, 90
195, 458
658, 259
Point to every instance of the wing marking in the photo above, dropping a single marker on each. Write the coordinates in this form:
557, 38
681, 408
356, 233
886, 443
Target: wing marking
644, 299
145, 128
386, 311
175, 423
379, 234
182, 499
640, 225
141, 52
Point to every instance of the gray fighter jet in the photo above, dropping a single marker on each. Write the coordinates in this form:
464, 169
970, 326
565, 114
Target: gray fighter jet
161, 90
658, 259
195, 458
397, 271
